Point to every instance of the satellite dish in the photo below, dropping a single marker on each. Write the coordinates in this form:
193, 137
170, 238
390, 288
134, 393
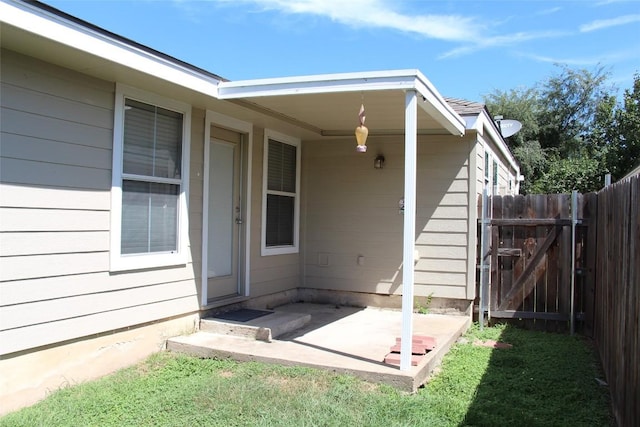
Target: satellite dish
509, 127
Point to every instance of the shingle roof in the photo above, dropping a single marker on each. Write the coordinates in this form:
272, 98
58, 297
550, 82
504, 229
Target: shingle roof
465, 108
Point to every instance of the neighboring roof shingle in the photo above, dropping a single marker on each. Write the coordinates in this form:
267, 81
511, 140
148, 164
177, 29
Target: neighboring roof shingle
465, 108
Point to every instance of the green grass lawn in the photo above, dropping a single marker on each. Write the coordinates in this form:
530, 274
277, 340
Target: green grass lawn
543, 380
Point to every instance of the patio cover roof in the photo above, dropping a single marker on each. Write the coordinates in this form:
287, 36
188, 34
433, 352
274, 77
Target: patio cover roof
328, 104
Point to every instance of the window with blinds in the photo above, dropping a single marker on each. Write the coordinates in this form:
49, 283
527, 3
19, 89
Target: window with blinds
281, 194
151, 178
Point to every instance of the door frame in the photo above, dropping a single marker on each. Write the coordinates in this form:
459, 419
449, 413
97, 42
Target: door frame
245, 128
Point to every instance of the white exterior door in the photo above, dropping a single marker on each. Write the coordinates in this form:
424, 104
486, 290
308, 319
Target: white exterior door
224, 216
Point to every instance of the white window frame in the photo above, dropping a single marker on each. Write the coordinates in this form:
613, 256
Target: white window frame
495, 176
487, 165
289, 249
123, 262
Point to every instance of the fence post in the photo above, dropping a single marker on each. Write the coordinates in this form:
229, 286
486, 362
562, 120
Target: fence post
574, 222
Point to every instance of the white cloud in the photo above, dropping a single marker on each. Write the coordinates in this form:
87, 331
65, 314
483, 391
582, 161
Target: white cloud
378, 14
607, 2
608, 58
501, 41
549, 11
472, 32
568, 61
606, 23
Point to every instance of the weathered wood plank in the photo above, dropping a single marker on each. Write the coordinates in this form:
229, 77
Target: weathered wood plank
553, 283
530, 222
509, 252
524, 284
536, 300
617, 296
536, 315
494, 284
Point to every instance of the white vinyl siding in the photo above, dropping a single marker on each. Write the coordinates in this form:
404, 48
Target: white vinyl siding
351, 210
55, 215
149, 188
281, 200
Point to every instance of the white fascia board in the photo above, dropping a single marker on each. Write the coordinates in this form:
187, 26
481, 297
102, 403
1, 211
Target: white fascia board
485, 123
325, 83
53, 27
435, 105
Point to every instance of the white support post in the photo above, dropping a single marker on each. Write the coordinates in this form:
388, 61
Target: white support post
410, 160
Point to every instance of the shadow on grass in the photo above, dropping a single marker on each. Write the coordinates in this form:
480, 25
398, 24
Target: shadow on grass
544, 379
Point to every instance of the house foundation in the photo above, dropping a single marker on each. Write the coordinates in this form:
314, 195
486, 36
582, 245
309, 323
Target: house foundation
27, 377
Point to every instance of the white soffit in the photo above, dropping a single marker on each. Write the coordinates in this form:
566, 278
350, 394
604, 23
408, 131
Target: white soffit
50, 26
307, 96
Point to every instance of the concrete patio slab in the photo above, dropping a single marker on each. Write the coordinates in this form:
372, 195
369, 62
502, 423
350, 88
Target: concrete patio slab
341, 339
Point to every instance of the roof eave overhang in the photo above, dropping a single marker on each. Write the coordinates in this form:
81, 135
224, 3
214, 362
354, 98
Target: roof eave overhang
401, 80
45, 23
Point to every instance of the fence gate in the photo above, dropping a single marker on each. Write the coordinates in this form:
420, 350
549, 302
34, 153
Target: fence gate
532, 259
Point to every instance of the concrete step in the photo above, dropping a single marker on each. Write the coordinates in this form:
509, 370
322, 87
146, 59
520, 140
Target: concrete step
264, 328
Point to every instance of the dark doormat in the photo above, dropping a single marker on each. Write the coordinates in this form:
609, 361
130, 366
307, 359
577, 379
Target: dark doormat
242, 315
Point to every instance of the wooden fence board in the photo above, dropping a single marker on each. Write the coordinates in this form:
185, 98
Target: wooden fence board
590, 211
526, 271
531, 274
616, 302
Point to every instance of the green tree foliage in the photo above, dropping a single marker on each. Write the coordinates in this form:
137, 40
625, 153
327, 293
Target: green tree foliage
574, 131
624, 153
569, 101
580, 173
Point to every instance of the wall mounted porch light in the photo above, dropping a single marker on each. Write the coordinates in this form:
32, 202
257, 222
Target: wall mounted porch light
361, 132
378, 162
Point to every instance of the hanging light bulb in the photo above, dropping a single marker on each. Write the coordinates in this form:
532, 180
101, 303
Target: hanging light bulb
361, 132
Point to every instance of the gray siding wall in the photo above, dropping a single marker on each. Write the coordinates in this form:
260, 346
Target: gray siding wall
55, 179
351, 211
504, 169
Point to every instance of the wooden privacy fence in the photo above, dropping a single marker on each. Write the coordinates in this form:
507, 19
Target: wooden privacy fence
565, 262
616, 318
532, 259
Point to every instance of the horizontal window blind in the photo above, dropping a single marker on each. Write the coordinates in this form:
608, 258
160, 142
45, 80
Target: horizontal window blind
281, 194
152, 141
280, 220
282, 167
149, 217
152, 154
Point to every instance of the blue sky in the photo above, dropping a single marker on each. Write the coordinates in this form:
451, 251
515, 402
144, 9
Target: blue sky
467, 48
